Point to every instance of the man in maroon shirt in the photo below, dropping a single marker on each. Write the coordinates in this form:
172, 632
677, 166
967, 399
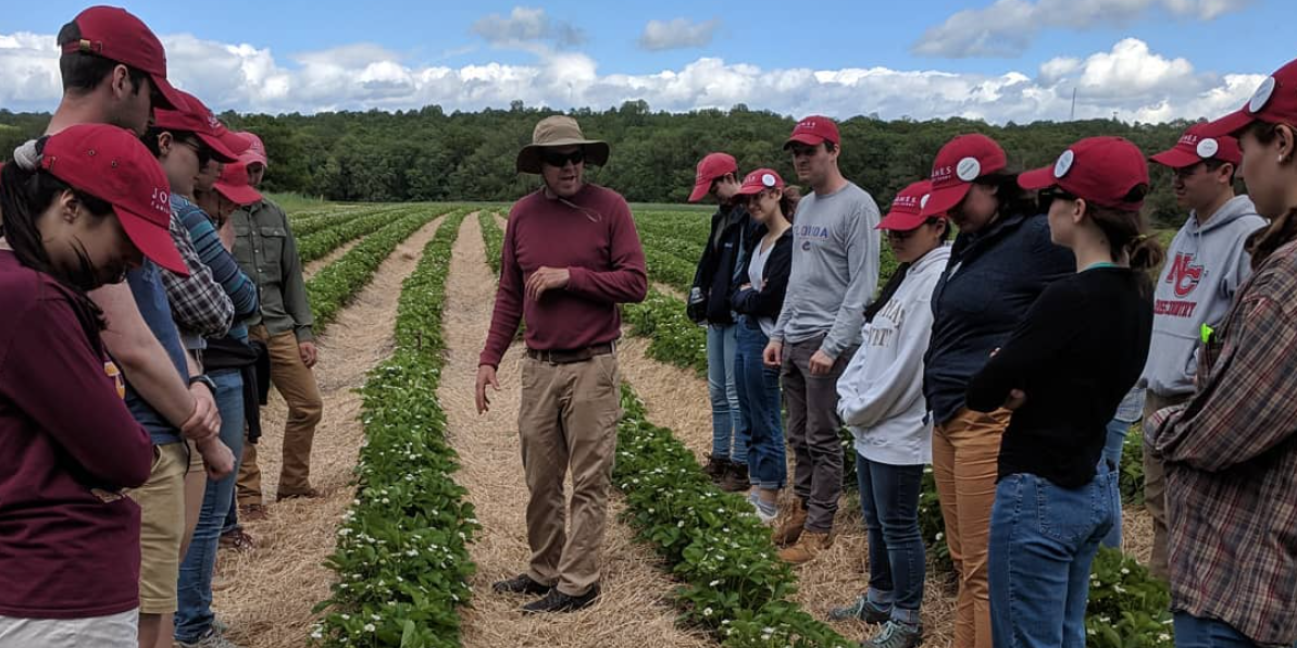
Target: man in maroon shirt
570, 256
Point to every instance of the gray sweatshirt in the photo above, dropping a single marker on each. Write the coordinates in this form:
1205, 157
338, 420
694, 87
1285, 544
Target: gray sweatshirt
1204, 267
835, 269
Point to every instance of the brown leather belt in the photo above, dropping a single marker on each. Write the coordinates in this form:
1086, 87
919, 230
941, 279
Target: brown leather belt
568, 356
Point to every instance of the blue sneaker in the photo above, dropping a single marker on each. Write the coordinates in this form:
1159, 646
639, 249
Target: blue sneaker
862, 609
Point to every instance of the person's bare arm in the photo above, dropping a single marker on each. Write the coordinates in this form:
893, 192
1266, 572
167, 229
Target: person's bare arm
141, 356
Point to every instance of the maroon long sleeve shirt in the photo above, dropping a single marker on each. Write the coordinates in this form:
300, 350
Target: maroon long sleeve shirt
69, 540
591, 234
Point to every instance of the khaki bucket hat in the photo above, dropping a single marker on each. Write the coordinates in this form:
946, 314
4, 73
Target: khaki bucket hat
557, 131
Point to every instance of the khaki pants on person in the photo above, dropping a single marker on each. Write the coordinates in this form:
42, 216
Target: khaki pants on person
1155, 486
568, 419
965, 458
296, 383
162, 527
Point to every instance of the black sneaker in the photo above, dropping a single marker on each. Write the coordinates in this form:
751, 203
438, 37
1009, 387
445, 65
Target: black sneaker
522, 584
557, 601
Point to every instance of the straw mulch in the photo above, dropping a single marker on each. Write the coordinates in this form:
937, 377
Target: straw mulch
670, 291
272, 589
319, 264
634, 610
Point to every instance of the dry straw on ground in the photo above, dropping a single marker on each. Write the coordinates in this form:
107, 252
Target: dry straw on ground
635, 610
268, 604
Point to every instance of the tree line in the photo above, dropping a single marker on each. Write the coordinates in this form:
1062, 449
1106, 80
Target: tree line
427, 154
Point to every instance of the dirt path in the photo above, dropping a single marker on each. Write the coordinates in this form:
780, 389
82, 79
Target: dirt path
273, 588
320, 263
670, 291
634, 610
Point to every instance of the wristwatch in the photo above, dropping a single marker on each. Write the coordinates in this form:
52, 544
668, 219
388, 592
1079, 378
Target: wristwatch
203, 379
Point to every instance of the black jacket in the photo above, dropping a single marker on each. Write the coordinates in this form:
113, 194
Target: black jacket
769, 301
716, 269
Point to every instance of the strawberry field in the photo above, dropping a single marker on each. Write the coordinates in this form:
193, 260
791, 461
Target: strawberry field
424, 498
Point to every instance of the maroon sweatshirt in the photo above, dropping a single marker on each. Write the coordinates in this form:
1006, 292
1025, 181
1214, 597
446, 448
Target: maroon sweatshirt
69, 540
591, 234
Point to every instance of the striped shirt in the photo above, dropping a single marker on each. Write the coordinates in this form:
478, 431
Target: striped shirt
199, 305
1231, 457
225, 270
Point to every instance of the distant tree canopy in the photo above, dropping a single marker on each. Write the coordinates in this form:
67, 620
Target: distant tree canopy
427, 154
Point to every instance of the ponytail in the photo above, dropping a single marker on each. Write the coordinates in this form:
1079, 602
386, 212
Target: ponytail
1129, 235
788, 204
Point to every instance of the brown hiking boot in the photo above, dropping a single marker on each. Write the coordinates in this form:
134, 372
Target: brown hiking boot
788, 528
716, 468
735, 479
807, 548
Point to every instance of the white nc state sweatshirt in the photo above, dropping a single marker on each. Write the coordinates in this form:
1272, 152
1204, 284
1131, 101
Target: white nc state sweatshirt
880, 395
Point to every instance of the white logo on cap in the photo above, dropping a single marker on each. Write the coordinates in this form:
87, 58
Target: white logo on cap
767, 180
1262, 95
161, 202
1064, 163
968, 169
923, 202
1207, 148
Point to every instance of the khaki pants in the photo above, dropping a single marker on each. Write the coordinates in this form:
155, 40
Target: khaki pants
296, 383
568, 419
162, 527
1155, 487
965, 456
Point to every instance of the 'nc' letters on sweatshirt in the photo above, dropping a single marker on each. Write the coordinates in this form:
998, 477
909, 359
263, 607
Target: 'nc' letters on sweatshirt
1184, 276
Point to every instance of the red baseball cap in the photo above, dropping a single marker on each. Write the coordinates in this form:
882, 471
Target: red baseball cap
1102, 170
256, 150
961, 161
1194, 147
711, 167
117, 35
760, 180
814, 130
194, 116
110, 164
235, 185
907, 208
1275, 101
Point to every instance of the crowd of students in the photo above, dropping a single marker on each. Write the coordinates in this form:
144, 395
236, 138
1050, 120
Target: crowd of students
153, 294
1015, 361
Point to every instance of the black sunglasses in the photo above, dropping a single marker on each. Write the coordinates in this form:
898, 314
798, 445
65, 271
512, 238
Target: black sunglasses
556, 159
1050, 194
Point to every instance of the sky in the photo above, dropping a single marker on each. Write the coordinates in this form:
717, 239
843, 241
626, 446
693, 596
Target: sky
998, 60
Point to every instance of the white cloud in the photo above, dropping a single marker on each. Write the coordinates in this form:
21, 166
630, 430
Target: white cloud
526, 25
1007, 27
1140, 85
677, 34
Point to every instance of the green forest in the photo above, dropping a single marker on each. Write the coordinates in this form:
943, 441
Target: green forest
428, 154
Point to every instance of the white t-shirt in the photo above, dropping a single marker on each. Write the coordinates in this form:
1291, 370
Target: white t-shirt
756, 270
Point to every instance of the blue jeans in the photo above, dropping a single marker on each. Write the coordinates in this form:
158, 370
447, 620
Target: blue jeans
194, 607
760, 408
1117, 430
889, 498
1043, 540
1198, 632
729, 438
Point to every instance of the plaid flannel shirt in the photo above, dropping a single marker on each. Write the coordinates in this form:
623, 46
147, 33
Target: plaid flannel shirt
198, 303
1231, 465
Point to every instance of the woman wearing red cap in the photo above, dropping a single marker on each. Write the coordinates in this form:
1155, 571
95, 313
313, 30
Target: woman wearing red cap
1001, 261
1063, 373
880, 399
80, 207
1230, 454
762, 283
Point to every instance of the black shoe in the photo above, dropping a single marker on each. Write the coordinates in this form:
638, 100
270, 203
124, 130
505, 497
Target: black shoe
522, 584
557, 601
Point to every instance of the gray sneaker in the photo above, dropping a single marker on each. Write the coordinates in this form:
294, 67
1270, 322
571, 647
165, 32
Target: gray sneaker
896, 635
212, 639
861, 609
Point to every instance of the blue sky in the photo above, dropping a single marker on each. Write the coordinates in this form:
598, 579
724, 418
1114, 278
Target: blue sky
1155, 58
